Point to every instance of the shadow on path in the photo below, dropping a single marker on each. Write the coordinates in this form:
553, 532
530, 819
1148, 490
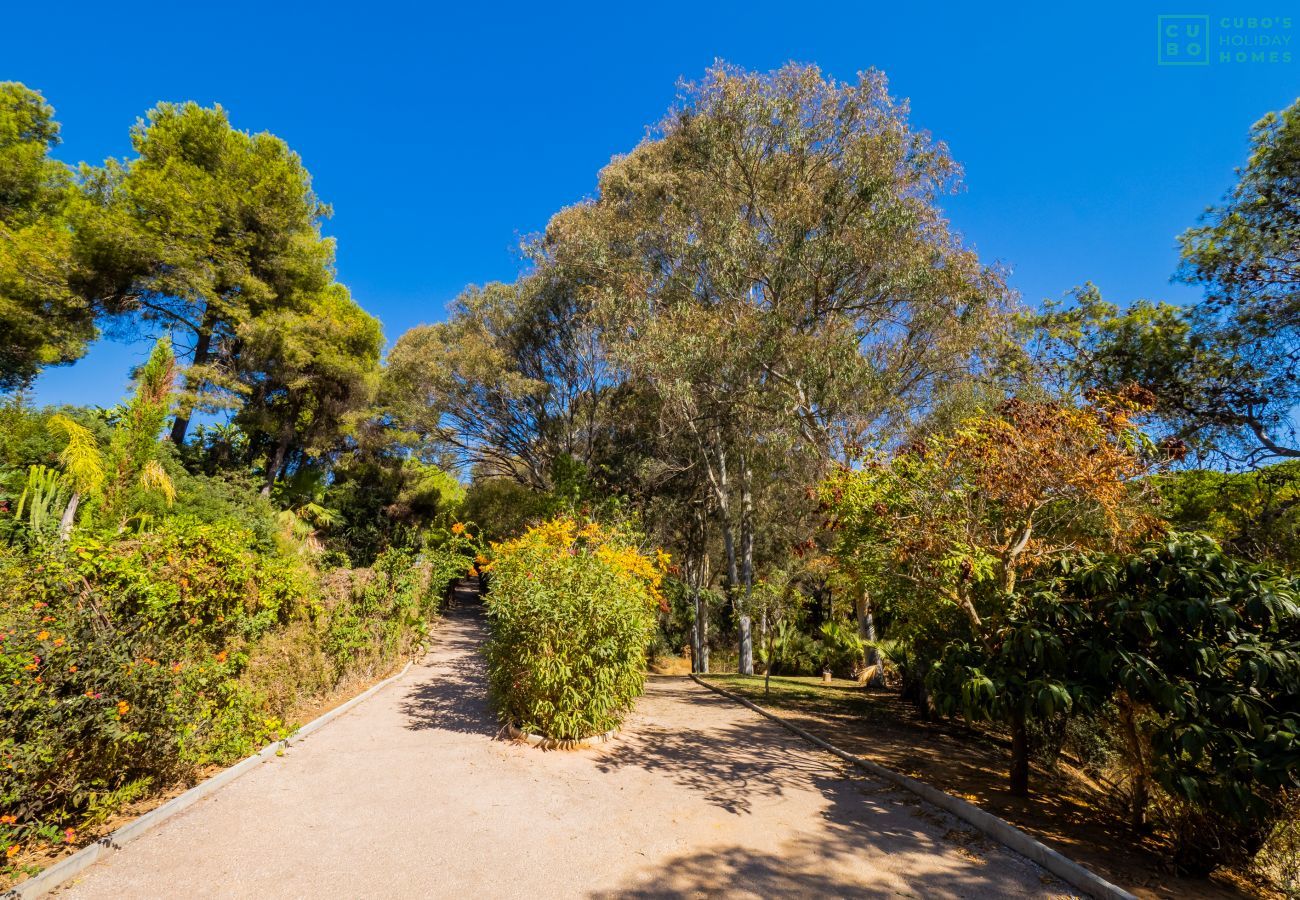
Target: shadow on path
746, 766
453, 694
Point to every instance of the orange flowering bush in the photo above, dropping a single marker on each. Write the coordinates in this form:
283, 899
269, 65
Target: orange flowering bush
572, 609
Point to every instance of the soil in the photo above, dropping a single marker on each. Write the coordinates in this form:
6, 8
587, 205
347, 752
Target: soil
1068, 810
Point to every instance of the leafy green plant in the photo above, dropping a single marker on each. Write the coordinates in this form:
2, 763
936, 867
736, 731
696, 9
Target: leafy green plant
572, 611
42, 499
128, 661
842, 649
1200, 654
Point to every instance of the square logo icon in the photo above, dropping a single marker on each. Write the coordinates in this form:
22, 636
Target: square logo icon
1183, 40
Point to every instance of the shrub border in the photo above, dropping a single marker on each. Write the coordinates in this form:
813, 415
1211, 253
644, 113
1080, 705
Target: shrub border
998, 829
61, 872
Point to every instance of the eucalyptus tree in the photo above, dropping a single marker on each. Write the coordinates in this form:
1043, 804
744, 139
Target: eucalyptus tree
44, 319
516, 380
204, 230
774, 262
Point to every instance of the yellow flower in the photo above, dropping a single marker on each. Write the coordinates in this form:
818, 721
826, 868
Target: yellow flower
43, 636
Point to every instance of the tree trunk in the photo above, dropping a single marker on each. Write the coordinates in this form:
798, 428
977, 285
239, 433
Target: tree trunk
746, 567
69, 517
697, 574
867, 631
767, 670
275, 465
1137, 811
1019, 754
202, 352
700, 634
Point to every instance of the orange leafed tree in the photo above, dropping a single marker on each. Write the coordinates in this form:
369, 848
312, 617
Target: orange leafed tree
961, 518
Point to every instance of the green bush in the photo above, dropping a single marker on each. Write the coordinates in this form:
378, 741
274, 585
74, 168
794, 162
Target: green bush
129, 662
572, 611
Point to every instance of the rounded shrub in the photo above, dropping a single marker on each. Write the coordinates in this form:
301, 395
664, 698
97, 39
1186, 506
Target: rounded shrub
572, 609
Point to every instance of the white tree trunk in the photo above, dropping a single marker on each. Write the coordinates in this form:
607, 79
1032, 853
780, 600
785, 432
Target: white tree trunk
69, 517
867, 631
746, 567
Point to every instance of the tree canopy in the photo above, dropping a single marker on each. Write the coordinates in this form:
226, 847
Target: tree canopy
43, 318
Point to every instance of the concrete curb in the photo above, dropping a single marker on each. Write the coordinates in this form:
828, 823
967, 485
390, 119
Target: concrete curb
998, 829
56, 875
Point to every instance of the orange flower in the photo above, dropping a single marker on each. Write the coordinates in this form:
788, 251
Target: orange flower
176, 667
122, 707
12, 851
69, 834
481, 559
72, 668
8, 820
221, 657
43, 636
58, 642
457, 528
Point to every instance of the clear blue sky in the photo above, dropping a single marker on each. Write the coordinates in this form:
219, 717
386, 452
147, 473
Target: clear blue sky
440, 135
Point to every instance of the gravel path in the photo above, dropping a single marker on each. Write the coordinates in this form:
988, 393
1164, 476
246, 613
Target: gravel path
410, 795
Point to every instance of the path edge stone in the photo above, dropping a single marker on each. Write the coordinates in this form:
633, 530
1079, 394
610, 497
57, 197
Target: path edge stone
47, 880
996, 828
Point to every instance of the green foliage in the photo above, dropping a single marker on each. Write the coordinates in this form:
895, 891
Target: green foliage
128, 662
1254, 514
308, 371
572, 613
1203, 650
1222, 371
842, 649
44, 320
203, 232
506, 507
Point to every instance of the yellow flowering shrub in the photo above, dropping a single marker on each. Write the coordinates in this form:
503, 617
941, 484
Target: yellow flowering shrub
572, 609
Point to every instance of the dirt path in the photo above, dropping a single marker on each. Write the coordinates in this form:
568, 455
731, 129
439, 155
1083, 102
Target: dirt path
409, 795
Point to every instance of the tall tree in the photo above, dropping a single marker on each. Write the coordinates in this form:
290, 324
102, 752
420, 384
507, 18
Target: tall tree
204, 230
773, 260
515, 380
306, 374
44, 320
